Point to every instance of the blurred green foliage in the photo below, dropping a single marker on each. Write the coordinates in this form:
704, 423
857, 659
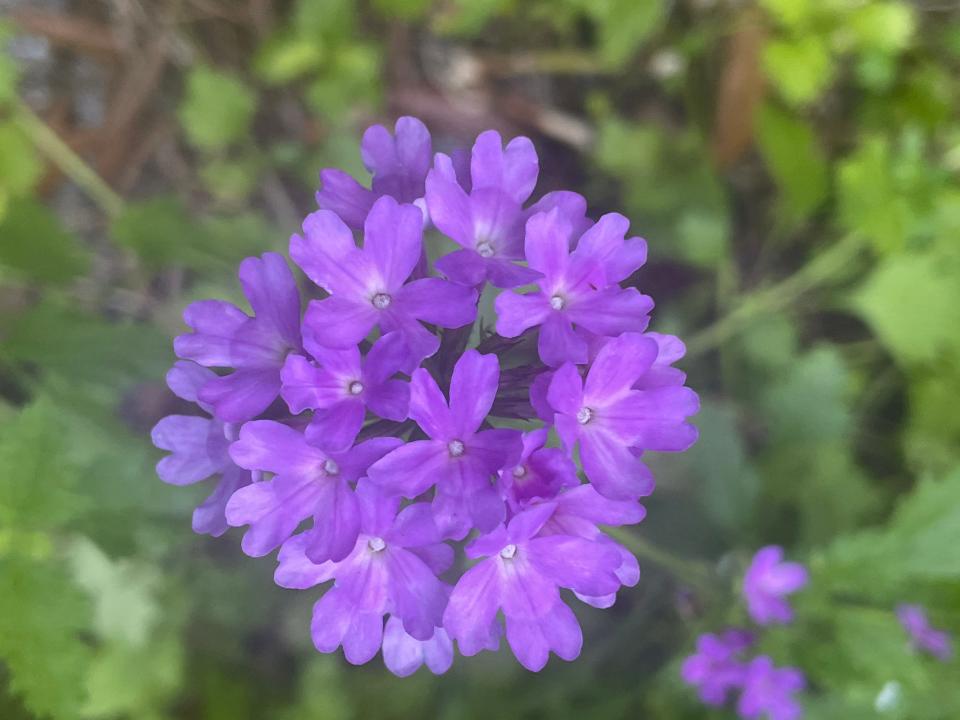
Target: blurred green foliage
829, 385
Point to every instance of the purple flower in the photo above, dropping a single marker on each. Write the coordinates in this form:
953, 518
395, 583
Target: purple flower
922, 635
521, 576
391, 569
578, 512
399, 166
769, 691
458, 457
608, 418
225, 336
403, 654
344, 386
577, 288
717, 668
540, 473
369, 286
488, 222
198, 449
308, 481
768, 581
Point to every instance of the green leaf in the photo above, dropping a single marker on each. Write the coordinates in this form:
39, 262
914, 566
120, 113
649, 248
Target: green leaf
33, 241
37, 482
624, 26
719, 462
285, 57
123, 591
801, 68
793, 14
42, 616
84, 349
138, 682
809, 403
217, 109
871, 202
795, 159
886, 27
912, 302
932, 436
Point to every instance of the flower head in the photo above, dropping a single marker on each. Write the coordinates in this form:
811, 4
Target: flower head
769, 691
717, 667
922, 635
768, 581
397, 436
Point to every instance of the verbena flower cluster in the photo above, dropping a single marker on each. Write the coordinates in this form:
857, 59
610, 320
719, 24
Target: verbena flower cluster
720, 668
369, 432
923, 636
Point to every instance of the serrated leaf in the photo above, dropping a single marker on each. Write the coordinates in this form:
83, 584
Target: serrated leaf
123, 591
795, 159
42, 616
33, 242
912, 302
217, 109
135, 682
37, 482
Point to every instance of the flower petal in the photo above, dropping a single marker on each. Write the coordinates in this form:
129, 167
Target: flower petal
428, 407
242, 394
473, 387
343, 195
438, 302
612, 468
340, 322
393, 239
517, 313
410, 469
472, 608
558, 343
269, 286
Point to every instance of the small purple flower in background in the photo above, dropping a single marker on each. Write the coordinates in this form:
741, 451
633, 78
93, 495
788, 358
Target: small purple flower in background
769, 691
198, 449
224, 336
398, 164
717, 667
767, 581
521, 576
390, 439
922, 635
343, 385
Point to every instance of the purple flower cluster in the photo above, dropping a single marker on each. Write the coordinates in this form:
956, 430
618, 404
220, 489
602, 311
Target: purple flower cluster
923, 636
718, 668
369, 433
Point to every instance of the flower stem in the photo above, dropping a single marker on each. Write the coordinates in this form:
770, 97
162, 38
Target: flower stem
822, 268
692, 572
67, 161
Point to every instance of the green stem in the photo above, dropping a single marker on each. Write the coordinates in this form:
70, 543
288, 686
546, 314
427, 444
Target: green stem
822, 268
692, 572
69, 163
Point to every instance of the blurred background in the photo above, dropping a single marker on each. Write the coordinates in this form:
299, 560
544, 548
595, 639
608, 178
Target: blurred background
795, 167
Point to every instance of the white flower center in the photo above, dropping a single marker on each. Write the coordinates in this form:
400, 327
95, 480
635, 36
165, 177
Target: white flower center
519, 471
330, 467
508, 552
455, 447
557, 302
376, 544
485, 249
355, 388
381, 301
584, 415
